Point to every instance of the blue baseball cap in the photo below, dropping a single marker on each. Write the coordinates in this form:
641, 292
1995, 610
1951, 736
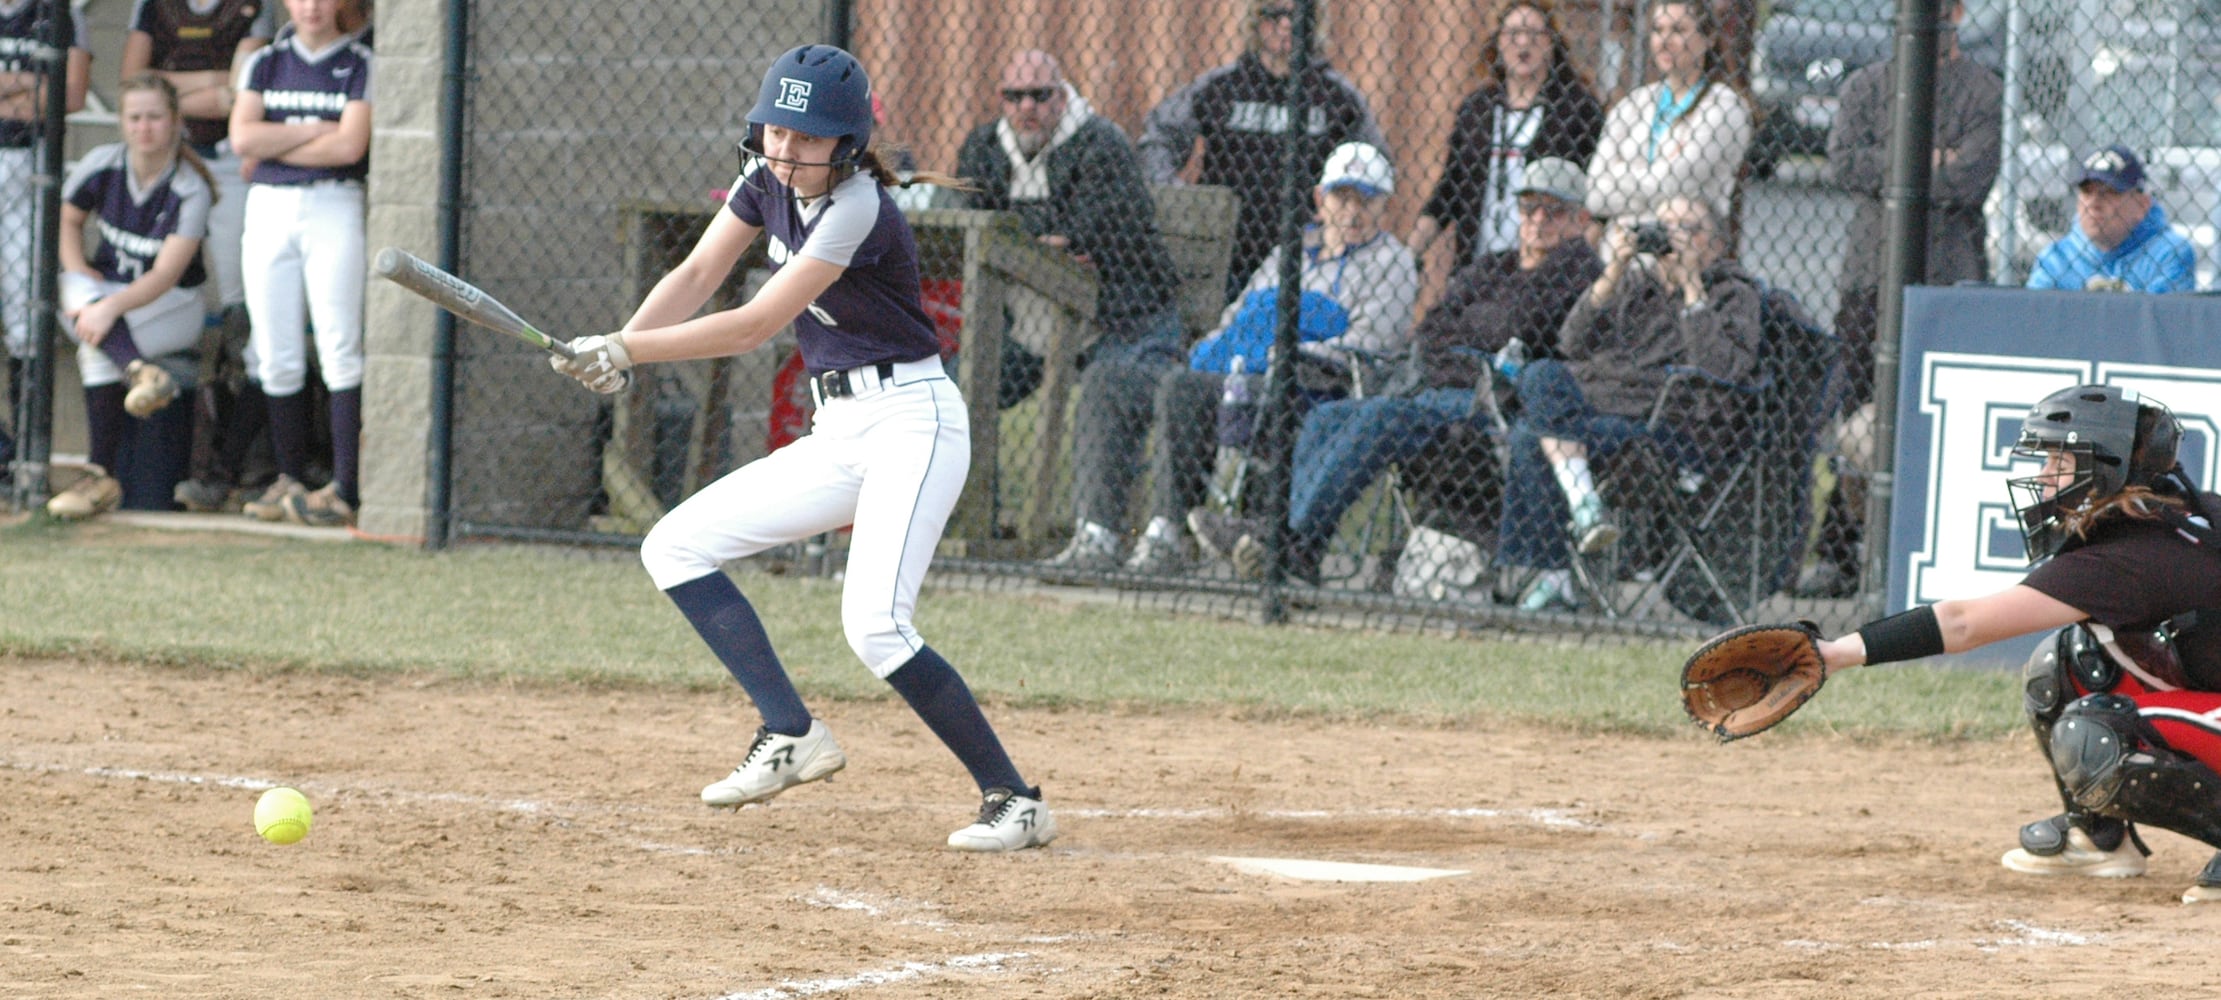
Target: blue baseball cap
2115, 167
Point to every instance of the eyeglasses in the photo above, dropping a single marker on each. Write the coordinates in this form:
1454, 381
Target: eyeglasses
1544, 208
1039, 95
1276, 14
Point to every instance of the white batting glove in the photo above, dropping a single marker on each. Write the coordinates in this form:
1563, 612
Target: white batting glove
600, 363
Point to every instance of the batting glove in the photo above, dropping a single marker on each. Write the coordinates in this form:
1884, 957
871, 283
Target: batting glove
599, 363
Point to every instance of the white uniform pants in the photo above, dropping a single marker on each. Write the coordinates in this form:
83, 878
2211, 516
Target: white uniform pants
891, 462
227, 220
167, 325
15, 249
302, 260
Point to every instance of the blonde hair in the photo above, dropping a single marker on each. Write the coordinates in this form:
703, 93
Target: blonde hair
160, 85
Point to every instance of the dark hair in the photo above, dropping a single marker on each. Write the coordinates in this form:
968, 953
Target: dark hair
2139, 500
1563, 75
875, 159
156, 82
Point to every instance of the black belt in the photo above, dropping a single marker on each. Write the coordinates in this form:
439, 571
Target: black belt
834, 384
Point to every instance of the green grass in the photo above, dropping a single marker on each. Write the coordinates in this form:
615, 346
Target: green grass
528, 613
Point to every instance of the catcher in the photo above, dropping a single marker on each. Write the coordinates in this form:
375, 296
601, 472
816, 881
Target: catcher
2125, 694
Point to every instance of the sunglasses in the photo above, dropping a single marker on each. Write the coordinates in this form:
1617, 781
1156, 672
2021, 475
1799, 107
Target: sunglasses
1039, 95
1276, 14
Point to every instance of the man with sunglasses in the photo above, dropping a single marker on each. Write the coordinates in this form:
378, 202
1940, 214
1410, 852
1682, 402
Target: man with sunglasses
1073, 179
1239, 111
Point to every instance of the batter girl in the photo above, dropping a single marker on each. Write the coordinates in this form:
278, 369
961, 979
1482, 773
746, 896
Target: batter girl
887, 450
137, 296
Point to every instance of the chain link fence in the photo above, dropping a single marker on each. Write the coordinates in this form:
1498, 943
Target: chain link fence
1460, 176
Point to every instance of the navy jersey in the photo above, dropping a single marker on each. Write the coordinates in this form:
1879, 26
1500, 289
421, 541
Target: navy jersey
298, 85
133, 221
20, 31
872, 313
186, 40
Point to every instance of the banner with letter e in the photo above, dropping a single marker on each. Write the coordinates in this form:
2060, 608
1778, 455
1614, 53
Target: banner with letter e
1975, 359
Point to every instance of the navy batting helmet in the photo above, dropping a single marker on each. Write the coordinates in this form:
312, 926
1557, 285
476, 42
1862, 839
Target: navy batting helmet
2118, 439
816, 90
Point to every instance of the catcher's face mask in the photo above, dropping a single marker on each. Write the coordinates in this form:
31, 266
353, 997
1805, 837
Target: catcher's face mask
2065, 484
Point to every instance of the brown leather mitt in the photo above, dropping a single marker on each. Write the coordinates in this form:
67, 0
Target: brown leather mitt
1743, 681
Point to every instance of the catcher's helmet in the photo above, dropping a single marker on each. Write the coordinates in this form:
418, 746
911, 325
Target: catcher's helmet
2117, 438
817, 90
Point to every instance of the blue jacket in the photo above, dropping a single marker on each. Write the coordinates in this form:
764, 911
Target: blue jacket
2154, 258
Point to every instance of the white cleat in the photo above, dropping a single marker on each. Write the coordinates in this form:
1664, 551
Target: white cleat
2079, 857
776, 763
1007, 821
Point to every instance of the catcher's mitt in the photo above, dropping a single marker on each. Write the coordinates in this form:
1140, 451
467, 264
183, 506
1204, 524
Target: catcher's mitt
1745, 680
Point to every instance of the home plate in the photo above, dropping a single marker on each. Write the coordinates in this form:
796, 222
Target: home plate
1334, 871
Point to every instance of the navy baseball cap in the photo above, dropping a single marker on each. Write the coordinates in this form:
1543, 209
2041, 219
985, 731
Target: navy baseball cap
2115, 167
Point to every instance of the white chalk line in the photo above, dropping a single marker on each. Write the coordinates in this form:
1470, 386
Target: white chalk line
2022, 935
1557, 819
990, 962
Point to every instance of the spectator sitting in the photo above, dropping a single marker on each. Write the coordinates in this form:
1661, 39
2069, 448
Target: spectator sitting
134, 302
1359, 283
2120, 241
1239, 112
1521, 294
1683, 136
1533, 103
1689, 305
1073, 178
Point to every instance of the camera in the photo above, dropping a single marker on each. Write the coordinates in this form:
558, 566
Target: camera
1651, 238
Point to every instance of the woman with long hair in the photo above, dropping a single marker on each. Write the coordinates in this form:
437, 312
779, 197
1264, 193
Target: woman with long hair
1532, 103
135, 299
1683, 135
2124, 695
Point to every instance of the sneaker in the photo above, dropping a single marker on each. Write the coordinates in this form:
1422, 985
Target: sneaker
1825, 578
152, 388
270, 506
1158, 555
1219, 534
204, 497
1552, 591
2060, 846
776, 763
1593, 527
97, 493
1094, 549
1007, 821
2208, 887
321, 509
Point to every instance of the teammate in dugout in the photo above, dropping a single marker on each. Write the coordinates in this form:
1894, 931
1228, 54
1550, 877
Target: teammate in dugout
2125, 695
134, 302
887, 450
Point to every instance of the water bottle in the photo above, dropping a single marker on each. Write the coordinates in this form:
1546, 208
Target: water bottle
1237, 410
1512, 358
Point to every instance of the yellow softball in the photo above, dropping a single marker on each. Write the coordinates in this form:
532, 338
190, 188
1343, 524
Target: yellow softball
282, 816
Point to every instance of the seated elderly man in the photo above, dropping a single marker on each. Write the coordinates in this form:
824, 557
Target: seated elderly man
1669, 299
2120, 241
1359, 284
1521, 294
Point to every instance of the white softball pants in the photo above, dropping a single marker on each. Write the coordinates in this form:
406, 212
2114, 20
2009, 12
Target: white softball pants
15, 249
302, 261
167, 325
891, 462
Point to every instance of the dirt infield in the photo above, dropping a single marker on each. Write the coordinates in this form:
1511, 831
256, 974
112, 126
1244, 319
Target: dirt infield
479, 840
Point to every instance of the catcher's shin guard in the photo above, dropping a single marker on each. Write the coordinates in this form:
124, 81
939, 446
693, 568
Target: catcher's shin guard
2110, 761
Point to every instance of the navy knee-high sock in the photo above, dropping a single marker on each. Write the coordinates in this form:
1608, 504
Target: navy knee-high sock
945, 702
725, 620
104, 423
120, 346
346, 443
289, 430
